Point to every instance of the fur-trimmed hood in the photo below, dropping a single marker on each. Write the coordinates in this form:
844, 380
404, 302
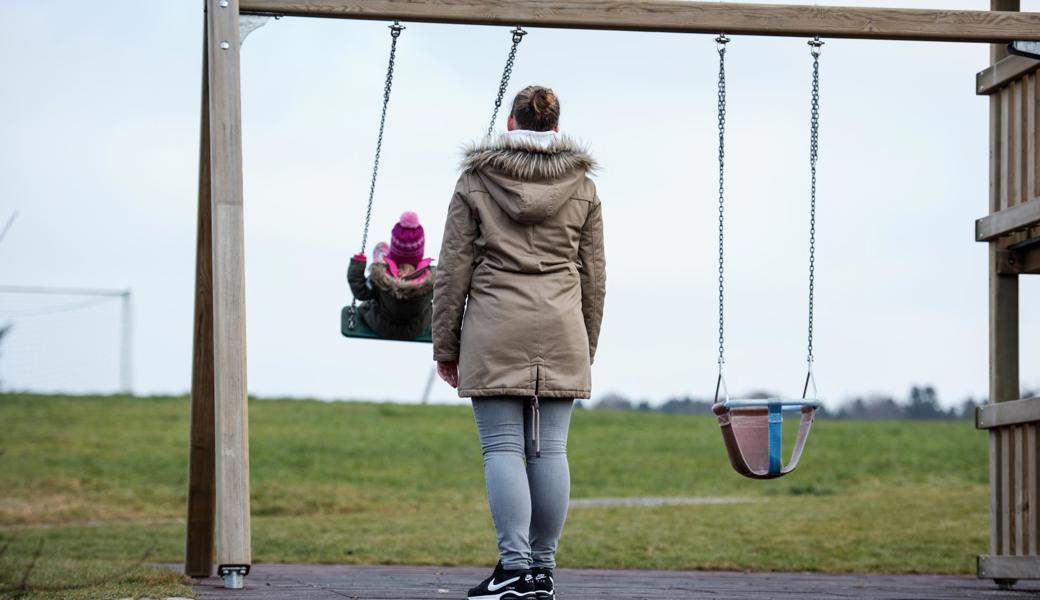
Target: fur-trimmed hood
403, 288
528, 158
528, 175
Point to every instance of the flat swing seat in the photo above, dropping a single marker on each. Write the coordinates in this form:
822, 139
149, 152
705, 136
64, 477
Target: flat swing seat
362, 331
752, 432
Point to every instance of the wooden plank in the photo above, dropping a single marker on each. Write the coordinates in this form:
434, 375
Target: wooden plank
229, 326
1034, 124
1004, 414
1006, 149
1005, 492
1018, 468
1003, 72
994, 153
683, 16
1016, 157
1029, 484
198, 546
995, 486
1029, 138
1002, 222
1008, 567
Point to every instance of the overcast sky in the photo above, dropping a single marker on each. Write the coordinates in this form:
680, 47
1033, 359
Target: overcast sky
100, 110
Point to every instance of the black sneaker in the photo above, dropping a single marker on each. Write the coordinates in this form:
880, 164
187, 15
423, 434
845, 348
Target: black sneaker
505, 585
543, 583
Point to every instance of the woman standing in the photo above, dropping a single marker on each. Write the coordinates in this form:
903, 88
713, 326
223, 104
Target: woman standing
518, 303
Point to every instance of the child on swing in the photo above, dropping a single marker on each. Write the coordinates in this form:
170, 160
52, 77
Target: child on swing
397, 295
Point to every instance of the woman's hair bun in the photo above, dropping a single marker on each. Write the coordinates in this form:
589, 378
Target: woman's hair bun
536, 108
540, 101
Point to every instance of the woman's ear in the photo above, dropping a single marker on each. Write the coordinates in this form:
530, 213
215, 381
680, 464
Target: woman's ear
510, 123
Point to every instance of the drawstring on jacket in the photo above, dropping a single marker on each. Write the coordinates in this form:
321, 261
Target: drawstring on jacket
536, 426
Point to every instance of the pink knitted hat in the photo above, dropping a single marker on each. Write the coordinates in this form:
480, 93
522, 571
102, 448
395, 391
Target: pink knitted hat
408, 240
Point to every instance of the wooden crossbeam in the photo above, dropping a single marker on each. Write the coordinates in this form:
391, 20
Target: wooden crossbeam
683, 16
1021, 262
1003, 72
1008, 567
1002, 414
1015, 218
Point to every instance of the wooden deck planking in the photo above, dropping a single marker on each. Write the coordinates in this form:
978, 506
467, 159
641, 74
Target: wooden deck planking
321, 582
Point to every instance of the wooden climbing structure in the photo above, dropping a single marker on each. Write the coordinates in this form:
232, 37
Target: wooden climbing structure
218, 492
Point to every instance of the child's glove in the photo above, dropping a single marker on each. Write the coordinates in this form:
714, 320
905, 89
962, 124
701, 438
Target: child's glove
380, 252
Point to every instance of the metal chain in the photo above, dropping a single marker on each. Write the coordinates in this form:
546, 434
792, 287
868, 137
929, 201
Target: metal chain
722, 40
815, 46
518, 36
395, 32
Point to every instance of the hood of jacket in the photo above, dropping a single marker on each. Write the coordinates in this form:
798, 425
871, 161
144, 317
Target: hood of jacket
403, 288
529, 176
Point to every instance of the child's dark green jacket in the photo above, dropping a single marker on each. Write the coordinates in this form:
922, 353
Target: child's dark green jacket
395, 307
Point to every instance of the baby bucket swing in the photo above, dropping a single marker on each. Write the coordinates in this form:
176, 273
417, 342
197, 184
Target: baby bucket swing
752, 428
351, 323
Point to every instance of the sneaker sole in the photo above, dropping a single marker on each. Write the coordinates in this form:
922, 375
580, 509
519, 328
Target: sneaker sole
506, 595
546, 595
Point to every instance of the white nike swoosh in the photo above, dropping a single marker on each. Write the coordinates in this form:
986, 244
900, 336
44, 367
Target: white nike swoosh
494, 587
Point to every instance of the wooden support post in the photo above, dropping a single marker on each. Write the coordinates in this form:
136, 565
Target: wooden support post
1003, 328
198, 547
1003, 289
229, 324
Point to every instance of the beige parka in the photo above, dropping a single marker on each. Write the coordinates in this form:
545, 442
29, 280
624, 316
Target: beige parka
521, 278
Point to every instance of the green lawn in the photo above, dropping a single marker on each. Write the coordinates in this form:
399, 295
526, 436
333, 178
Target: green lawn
93, 489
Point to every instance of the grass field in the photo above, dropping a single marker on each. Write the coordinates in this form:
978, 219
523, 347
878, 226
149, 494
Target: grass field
93, 489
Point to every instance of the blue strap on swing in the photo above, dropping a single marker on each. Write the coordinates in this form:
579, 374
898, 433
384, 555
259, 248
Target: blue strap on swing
776, 419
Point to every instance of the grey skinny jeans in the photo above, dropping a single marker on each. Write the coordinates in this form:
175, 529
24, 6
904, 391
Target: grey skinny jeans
528, 494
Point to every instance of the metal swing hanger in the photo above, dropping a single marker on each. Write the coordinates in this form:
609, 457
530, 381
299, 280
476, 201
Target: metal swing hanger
744, 421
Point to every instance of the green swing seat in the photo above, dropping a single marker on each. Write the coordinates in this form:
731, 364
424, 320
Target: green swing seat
363, 331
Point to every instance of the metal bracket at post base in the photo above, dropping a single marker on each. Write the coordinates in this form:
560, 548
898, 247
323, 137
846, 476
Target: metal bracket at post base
234, 576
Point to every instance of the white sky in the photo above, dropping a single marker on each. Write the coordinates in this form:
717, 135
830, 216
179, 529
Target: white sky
100, 110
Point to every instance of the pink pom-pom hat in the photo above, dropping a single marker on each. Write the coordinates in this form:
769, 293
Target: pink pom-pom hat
408, 240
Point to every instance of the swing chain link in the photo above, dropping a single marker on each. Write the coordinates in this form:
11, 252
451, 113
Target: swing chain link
721, 40
507, 72
395, 32
816, 46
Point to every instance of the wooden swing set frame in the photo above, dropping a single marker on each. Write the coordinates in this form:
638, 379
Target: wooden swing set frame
218, 487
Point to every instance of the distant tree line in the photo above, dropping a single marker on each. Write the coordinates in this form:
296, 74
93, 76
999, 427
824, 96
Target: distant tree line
921, 403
